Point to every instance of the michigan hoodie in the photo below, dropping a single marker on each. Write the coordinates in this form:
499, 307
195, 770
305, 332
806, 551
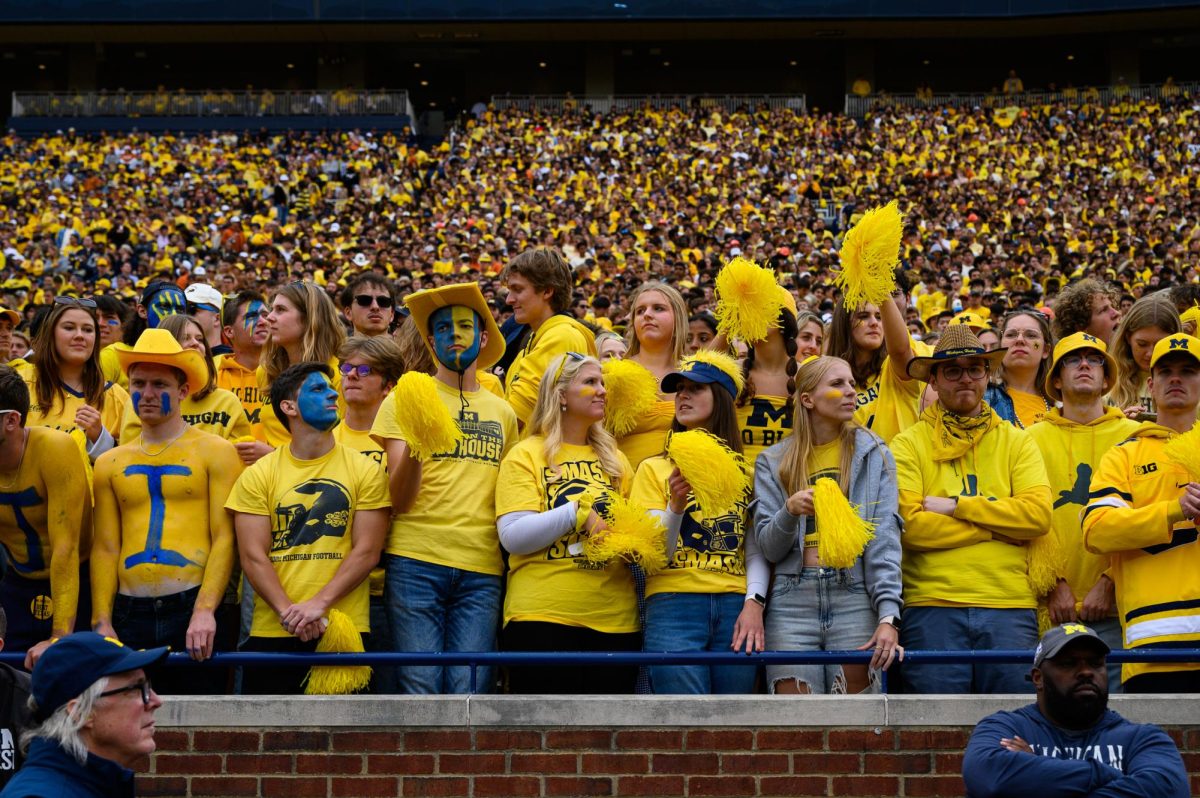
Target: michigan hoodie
558, 334
1133, 514
1072, 452
1112, 758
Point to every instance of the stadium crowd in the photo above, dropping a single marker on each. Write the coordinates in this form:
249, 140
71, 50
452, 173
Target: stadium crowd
207, 335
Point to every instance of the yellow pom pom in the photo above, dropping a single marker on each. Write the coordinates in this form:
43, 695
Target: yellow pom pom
1043, 619
869, 254
633, 535
339, 636
842, 533
1044, 561
748, 300
1184, 450
424, 422
631, 392
717, 474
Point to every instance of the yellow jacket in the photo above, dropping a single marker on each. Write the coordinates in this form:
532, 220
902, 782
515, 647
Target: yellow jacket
1072, 452
1134, 515
1002, 490
558, 334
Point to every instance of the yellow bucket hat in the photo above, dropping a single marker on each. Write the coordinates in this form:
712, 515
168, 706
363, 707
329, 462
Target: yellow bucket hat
1073, 343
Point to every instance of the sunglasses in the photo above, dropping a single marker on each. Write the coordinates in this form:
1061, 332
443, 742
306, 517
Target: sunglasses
142, 685
568, 356
365, 300
79, 303
360, 371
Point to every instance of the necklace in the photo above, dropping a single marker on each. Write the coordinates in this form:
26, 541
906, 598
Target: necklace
169, 444
24, 448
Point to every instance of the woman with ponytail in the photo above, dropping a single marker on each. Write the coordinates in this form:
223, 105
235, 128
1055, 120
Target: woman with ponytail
710, 597
814, 605
764, 405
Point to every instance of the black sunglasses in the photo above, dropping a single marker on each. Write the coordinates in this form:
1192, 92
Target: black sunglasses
70, 300
361, 370
365, 300
142, 685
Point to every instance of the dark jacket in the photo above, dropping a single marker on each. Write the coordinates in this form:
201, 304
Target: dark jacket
50, 772
14, 717
1113, 758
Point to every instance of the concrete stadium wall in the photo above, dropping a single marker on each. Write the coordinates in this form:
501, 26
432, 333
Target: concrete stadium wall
613, 746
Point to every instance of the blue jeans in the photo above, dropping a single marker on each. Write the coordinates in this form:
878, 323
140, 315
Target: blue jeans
436, 608
695, 622
966, 629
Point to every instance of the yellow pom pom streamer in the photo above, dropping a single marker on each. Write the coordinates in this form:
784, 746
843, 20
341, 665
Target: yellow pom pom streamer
632, 391
842, 533
633, 535
1044, 561
1184, 450
339, 636
717, 474
869, 254
424, 422
748, 300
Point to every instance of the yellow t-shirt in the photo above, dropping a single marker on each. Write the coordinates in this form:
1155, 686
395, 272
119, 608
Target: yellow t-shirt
46, 503
490, 382
160, 519
242, 382
825, 463
311, 504
649, 437
710, 556
360, 440
464, 480
889, 404
220, 413
61, 414
558, 584
1030, 408
764, 421
111, 367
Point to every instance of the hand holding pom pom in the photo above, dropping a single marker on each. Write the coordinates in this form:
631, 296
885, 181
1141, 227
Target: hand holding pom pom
425, 423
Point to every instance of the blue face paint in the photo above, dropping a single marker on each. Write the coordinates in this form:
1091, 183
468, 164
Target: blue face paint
166, 302
455, 326
136, 396
165, 404
253, 314
317, 402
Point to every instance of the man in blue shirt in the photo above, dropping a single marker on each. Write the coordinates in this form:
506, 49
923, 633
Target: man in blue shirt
1069, 742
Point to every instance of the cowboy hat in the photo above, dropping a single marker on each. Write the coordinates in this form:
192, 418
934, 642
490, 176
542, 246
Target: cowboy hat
957, 341
156, 345
422, 304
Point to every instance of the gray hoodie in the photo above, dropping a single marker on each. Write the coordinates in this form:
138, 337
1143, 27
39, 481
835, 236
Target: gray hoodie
872, 488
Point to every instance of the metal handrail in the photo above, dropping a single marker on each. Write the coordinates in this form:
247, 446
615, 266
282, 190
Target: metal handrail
608, 103
474, 659
263, 103
1101, 95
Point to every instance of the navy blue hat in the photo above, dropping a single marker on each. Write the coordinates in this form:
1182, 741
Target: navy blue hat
73, 663
707, 367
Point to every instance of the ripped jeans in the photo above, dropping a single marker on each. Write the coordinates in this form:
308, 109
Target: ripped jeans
819, 609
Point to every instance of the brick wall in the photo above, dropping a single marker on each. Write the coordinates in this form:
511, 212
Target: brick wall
572, 761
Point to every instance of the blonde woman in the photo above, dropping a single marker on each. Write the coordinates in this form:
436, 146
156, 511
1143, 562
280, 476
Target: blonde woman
303, 326
1151, 319
556, 599
660, 328
811, 606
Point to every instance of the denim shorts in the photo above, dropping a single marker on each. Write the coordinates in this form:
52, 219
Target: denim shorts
819, 609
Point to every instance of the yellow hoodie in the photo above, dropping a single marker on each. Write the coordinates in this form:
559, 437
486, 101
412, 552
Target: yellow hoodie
1134, 515
1001, 487
1072, 452
558, 334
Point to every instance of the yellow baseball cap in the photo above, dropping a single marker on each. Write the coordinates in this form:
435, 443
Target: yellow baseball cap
972, 320
1073, 343
1172, 344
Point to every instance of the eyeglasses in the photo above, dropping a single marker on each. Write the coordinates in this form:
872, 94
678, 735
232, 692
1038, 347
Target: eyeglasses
1028, 335
568, 356
79, 303
1091, 358
976, 371
361, 370
365, 300
142, 685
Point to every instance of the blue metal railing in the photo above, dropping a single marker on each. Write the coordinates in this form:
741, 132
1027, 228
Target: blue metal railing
475, 659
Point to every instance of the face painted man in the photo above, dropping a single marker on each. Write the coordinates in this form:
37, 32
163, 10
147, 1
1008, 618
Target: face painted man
457, 335
159, 300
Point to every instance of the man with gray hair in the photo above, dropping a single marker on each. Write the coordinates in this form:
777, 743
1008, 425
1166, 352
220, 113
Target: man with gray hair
14, 711
93, 715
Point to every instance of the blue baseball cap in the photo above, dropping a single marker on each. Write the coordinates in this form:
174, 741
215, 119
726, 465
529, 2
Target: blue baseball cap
73, 663
707, 368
